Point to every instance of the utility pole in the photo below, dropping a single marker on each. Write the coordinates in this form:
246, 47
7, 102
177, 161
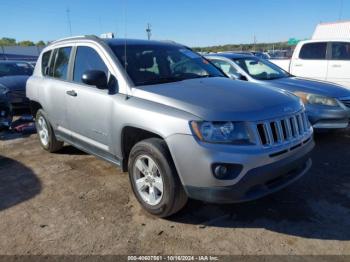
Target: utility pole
149, 31
69, 22
254, 42
341, 10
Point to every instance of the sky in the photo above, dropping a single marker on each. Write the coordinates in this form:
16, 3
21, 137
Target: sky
191, 22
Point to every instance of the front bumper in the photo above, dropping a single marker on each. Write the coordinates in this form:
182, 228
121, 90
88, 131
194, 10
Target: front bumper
263, 172
256, 183
5, 114
323, 117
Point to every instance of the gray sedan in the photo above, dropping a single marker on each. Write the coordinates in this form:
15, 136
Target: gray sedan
327, 105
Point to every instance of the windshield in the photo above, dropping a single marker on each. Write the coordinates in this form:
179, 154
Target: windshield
156, 64
260, 69
13, 68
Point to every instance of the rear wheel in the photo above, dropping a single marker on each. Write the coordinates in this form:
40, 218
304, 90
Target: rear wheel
46, 134
154, 179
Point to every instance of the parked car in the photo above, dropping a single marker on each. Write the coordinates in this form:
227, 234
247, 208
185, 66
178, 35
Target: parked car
320, 59
279, 54
171, 119
32, 63
327, 105
261, 55
237, 52
13, 78
5, 110
250, 53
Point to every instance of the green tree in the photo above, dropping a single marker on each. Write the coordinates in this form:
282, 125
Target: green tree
26, 43
244, 47
40, 43
5, 41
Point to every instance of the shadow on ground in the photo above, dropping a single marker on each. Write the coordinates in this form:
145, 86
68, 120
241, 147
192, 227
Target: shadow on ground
11, 135
317, 206
70, 150
18, 183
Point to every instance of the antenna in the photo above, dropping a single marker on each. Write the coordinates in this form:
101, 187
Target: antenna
69, 22
125, 34
341, 10
149, 31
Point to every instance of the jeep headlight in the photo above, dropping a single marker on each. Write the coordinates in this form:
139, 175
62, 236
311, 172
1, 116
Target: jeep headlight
315, 99
222, 132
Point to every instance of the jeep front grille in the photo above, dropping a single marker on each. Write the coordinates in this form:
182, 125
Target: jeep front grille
287, 129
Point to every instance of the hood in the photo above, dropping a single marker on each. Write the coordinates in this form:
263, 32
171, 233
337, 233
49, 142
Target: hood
310, 86
14, 83
221, 99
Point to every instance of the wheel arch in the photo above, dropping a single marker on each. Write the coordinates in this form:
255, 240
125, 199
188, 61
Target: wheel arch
130, 136
34, 107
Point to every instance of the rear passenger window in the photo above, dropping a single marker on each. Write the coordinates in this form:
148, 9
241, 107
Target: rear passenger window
313, 51
60, 68
45, 62
87, 59
341, 51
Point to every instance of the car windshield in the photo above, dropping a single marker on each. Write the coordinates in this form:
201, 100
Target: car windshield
15, 68
260, 69
155, 64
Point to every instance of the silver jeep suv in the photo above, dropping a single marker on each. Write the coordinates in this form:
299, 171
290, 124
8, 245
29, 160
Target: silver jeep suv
171, 119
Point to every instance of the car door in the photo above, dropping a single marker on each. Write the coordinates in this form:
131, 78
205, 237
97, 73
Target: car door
89, 109
311, 62
55, 86
339, 63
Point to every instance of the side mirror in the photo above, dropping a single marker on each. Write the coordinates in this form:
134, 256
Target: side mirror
113, 85
95, 78
237, 76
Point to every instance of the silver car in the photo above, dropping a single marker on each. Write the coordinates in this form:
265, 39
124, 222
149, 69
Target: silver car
327, 105
171, 119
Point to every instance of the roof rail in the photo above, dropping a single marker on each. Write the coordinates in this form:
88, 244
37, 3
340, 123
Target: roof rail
93, 37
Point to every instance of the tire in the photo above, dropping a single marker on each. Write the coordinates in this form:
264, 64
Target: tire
173, 197
46, 134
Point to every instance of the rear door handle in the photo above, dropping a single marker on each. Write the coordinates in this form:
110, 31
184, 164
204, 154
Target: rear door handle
298, 65
336, 65
71, 93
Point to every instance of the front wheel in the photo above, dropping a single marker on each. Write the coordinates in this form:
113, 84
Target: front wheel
154, 179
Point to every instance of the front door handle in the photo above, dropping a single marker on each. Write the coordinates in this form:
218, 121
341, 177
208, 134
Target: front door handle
71, 93
298, 65
336, 65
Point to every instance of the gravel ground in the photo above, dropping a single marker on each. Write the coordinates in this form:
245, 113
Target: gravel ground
74, 203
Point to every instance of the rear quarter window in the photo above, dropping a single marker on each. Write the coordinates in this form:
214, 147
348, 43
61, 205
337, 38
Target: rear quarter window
60, 68
45, 62
313, 51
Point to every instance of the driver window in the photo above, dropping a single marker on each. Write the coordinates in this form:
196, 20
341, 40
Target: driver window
87, 59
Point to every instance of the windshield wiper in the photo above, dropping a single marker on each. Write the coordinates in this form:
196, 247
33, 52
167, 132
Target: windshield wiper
160, 80
202, 76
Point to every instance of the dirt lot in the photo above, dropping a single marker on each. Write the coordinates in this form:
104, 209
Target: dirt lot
74, 203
